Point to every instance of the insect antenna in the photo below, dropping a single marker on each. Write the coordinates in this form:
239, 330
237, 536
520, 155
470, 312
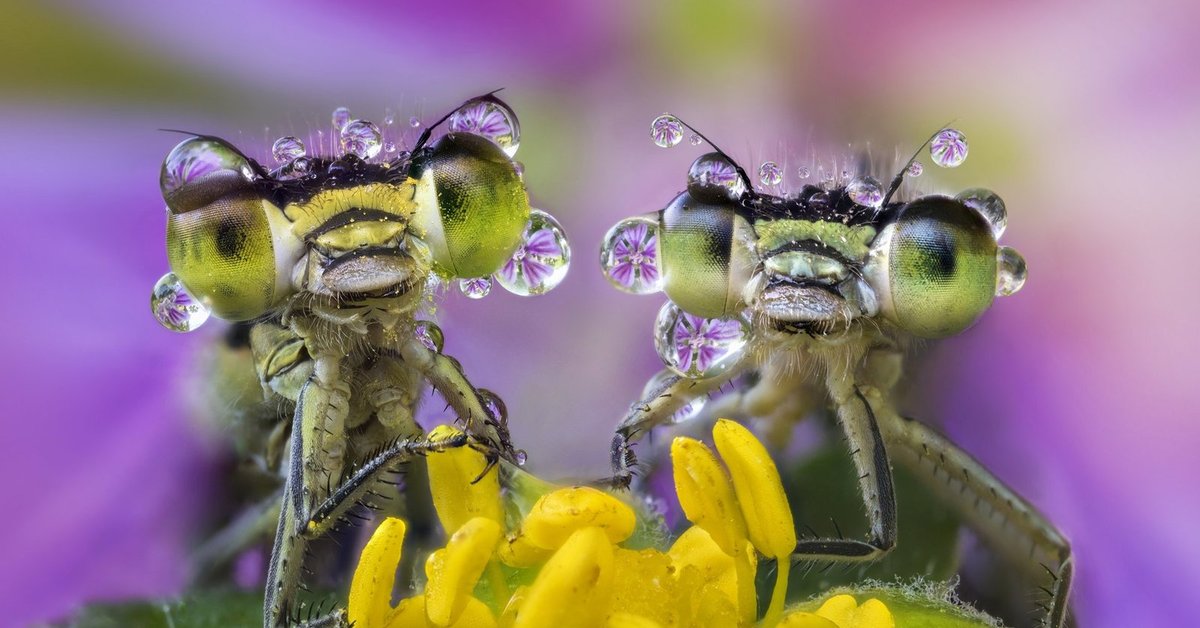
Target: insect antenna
899, 178
428, 132
736, 166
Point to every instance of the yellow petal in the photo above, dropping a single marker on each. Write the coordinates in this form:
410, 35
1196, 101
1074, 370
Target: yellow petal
557, 515
696, 548
745, 566
846, 613
518, 552
801, 619
575, 586
629, 620
715, 610
731, 576
375, 575
642, 585
705, 493
454, 570
875, 614
759, 489
451, 472
411, 614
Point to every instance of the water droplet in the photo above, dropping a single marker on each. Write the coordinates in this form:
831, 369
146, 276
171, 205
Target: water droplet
769, 173
414, 122
389, 117
541, 261
915, 169
695, 139
713, 177
666, 130
522, 456
294, 169
492, 404
287, 148
629, 256
196, 158
430, 335
845, 175
490, 117
866, 191
362, 139
476, 288
804, 173
174, 307
948, 148
989, 204
698, 347
340, 118
1011, 271
688, 411
389, 147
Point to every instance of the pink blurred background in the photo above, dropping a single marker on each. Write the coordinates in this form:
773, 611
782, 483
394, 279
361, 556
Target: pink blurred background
1080, 391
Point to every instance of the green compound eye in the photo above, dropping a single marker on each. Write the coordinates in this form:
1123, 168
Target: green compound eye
940, 267
704, 258
219, 237
472, 207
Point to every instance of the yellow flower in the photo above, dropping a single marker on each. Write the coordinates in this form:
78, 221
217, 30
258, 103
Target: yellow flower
451, 475
454, 570
558, 515
375, 576
574, 588
567, 561
843, 611
759, 489
706, 494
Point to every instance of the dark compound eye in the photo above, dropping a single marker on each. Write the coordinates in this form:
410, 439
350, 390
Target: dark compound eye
935, 267
219, 236
704, 256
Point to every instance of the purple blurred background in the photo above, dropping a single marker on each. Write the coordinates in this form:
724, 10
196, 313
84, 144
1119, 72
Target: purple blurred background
1080, 391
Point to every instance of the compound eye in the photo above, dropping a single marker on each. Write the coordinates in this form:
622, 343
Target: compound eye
704, 256
472, 207
937, 266
219, 237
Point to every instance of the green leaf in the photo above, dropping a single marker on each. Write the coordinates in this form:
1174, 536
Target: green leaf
920, 605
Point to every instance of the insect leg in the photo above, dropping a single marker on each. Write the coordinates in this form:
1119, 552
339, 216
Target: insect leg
445, 374
1001, 516
870, 457
298, 524
657, 408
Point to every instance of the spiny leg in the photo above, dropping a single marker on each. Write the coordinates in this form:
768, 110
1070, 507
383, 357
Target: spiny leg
1002, 517
659, 407
298, 524
446, 376
869, 454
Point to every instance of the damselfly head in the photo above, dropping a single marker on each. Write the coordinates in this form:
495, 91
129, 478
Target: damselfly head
364, 223
813, 263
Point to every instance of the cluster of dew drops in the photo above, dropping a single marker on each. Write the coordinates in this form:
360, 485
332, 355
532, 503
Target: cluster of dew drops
537, 266
697, 347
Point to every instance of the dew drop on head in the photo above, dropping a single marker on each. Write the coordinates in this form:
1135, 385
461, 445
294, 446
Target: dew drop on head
475, 288
697, 347
769, 173
990, 205
1011, 271
287, 148
489, 117
340, 117
541, 261
174, 307
866, 191
629, 256
362, 139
